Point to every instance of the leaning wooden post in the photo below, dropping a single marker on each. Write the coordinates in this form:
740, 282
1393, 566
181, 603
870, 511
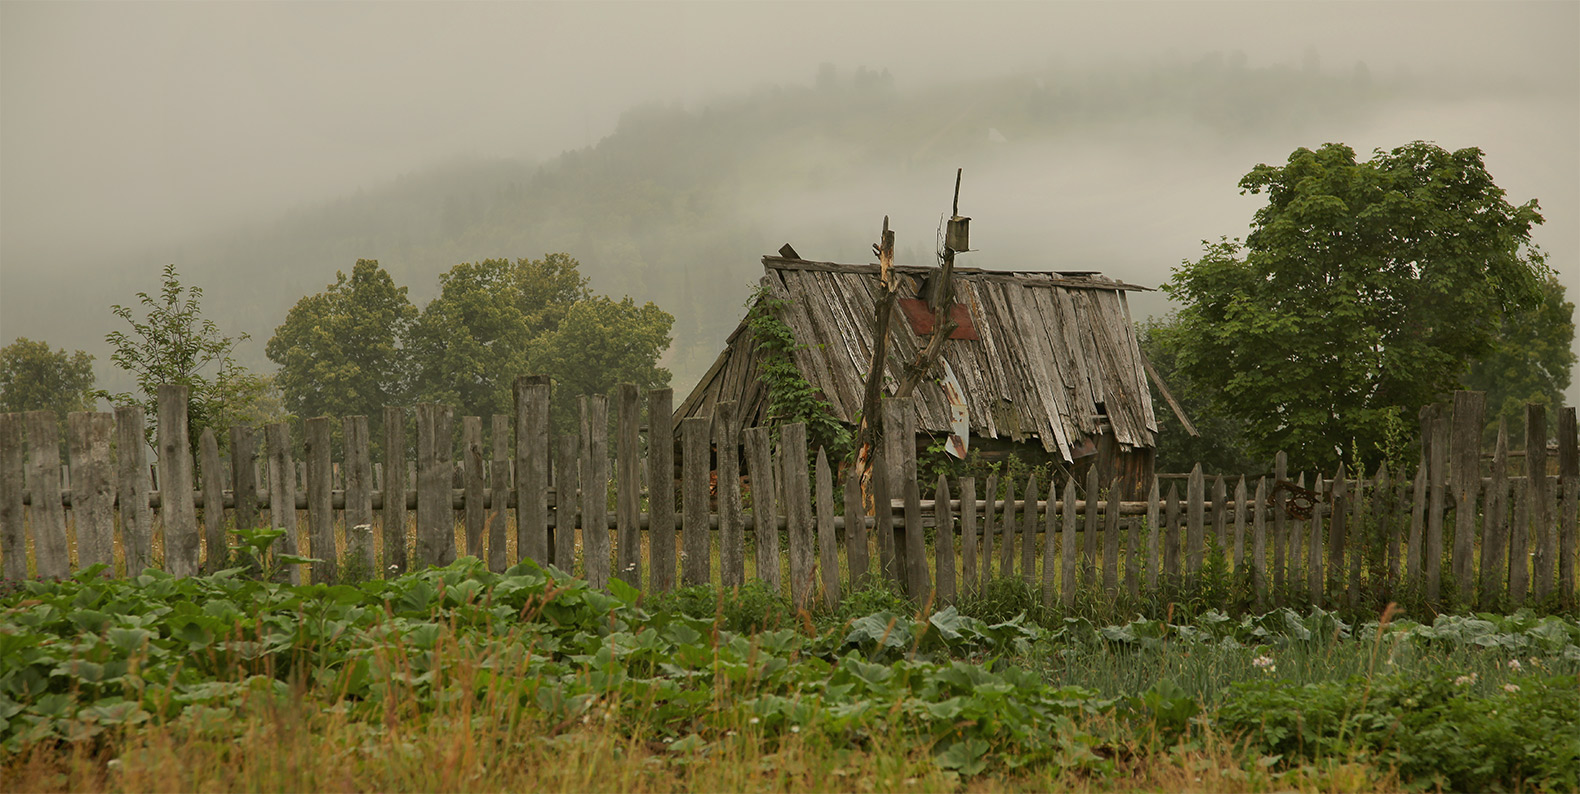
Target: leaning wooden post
282, 495
175, 483
1540, 528
895, 444
359, 497
93, 487
628, 485
827, 543
320, 504
765, 530
395, 559
1469, 418
435, 511
213, 483
732, 532
595, 489
1089, 541
694, 562
1171, 537
661, 490
137, 516
499, 493
798, 514
968, 536
918, 582
532, 468
474, 513
856, 551
13, 474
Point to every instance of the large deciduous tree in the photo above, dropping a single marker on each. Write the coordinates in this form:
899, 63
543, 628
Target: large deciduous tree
176, 344
340, 351
1363, 291
496, 319
33, 378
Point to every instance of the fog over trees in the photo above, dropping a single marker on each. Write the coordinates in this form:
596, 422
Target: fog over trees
667, 148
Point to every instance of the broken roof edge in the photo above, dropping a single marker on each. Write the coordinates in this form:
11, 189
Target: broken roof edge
1041, 277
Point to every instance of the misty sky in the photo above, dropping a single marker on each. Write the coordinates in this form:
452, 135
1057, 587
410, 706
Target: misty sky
129, 126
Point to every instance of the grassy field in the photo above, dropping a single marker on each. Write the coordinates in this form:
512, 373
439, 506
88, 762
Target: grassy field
460, 679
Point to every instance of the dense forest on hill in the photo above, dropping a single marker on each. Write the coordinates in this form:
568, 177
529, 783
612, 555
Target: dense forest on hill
679, 201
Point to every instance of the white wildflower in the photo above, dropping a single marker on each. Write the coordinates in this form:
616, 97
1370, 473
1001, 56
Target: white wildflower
795, 728
753, 721
1465, 680
1511, 688
1264, 662
1514, 664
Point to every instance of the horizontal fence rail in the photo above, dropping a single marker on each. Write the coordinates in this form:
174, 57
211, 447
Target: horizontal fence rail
1464, 528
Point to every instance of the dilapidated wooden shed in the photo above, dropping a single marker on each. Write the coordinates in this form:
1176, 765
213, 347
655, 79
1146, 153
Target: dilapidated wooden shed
1048, 363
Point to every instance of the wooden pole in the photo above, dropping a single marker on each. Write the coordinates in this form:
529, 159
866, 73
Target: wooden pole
13, 481
499, 493
532, 394
732, 534
395, 560
359, 497
661, 490
93, 487
628, 485
320, 502
218, 552
827, 543
177, 506
137, 517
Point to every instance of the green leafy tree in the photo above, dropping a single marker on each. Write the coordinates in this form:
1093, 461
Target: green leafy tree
175, 343
602, 342
1531, 361
497, 319
35, 378
340, 351
1221, 446
1364, 291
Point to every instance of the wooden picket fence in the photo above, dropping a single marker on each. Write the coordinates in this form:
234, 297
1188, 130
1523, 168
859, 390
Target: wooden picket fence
1499, 537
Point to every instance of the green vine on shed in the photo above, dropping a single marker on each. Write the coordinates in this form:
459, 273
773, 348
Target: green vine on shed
790, 397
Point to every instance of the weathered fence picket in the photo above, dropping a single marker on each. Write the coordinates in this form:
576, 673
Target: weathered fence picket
67, 522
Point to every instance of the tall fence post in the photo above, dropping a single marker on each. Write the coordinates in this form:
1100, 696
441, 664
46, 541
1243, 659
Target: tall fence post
48, 516
176, 505
1569, 482
13, 473
395, 560
1195, 520
1259, 544
243, 477
435, 511
661, 489
474, 515
359, 497
1050, 554
1540, 528
499, 493
694, 566
1470, 408
798, 513
856, 550
137, 516
827, 543
765, 531
320, 503
595, 489
1495, 522
1280, 520
968, 535
1437, 478
93, 487
1028, 533
1110, 538
628, 485
531, 394
1067, 577
567, 505
1154, 537
213, 481
732, 534
988, 528
282, 495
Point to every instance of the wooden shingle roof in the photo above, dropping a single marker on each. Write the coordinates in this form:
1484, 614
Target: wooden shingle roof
1056, 357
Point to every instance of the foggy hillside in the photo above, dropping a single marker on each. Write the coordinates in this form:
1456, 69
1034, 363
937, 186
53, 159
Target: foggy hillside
1121, 166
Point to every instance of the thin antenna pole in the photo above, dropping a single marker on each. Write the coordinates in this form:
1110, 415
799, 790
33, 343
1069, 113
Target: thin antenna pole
956, 210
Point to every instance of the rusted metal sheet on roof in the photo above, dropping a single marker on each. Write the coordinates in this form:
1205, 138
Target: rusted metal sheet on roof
921, 317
